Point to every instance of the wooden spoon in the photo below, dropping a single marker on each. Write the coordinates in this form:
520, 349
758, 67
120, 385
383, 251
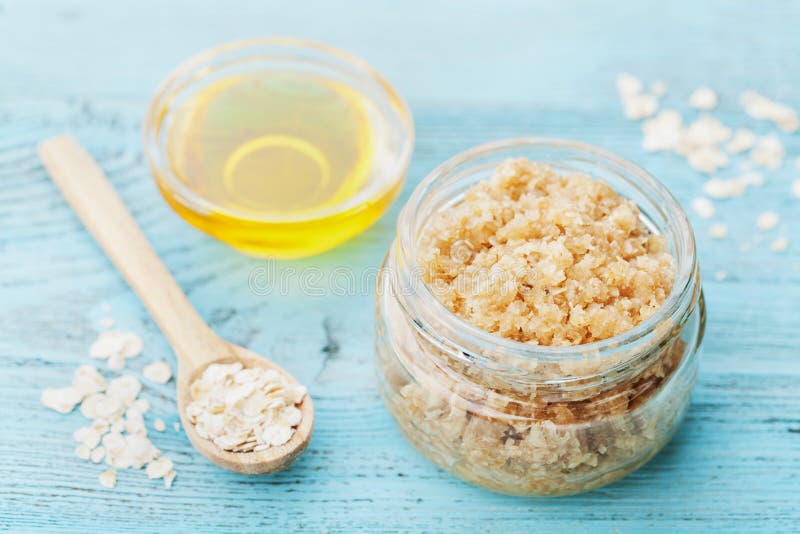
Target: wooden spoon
93, 198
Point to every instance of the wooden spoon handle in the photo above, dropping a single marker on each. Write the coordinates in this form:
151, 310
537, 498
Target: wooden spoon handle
95, 201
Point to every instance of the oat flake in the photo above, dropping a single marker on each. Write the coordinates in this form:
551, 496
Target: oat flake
718, 231
168, 478
117, 433
767, 220
779, 245
158, 372
703, 98
628, 86
640, 106
743, 139
115, 342
719, 188
108, 479
703, 207
768, 152
761, 107
97, 455
158, 468
662, 132
62, 400
83, 452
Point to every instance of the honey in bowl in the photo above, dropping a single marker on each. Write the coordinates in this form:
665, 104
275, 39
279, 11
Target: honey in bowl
278, 158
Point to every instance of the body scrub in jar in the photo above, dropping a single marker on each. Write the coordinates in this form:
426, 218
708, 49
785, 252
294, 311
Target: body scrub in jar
280, 147
539, 316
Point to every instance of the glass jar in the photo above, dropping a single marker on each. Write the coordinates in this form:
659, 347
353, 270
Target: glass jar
536, 420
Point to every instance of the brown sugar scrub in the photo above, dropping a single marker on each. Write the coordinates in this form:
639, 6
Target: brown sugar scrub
546, 258
537, 330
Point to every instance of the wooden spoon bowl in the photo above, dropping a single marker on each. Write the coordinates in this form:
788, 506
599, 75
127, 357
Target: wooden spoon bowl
250, 463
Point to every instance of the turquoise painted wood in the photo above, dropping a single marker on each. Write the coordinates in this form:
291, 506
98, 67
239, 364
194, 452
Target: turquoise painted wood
473, 72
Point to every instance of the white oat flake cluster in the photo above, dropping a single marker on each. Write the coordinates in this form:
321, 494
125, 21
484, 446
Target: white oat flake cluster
117, 432
638, 105
707, 145
760, 107
116, 346
244, 409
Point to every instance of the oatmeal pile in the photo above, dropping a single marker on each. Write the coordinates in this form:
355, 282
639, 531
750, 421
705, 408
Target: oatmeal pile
244, 409
117, 433
546, 258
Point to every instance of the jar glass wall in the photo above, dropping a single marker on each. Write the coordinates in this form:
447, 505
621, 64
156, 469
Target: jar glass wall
535, 420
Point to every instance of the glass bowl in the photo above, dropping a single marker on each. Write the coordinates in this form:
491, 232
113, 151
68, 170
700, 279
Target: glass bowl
280, 233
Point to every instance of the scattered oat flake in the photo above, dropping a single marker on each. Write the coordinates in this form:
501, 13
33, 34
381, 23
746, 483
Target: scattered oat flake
158, 372
116, 343
97, 455
718, 231
707, 159
168, 478
768, 152
106, 323
698, 144
703, 207
158, 468
703, 98
720, 188
640, 107
108, 479
743, 139
779, 245
159, 425
62, 400
706, 130
87, 380
142, 405
116, 362
628, 86
176, 426
767, 220
719, 276
87, 436
83, 452
760, 107
124, 389
796, 188
663, 131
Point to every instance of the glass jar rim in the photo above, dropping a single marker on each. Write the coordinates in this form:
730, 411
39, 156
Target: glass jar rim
673, 307
197, 66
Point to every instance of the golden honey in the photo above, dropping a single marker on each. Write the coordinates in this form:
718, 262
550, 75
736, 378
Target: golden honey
279, 163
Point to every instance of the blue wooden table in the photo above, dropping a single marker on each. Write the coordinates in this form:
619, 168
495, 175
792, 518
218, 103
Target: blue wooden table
472, 72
